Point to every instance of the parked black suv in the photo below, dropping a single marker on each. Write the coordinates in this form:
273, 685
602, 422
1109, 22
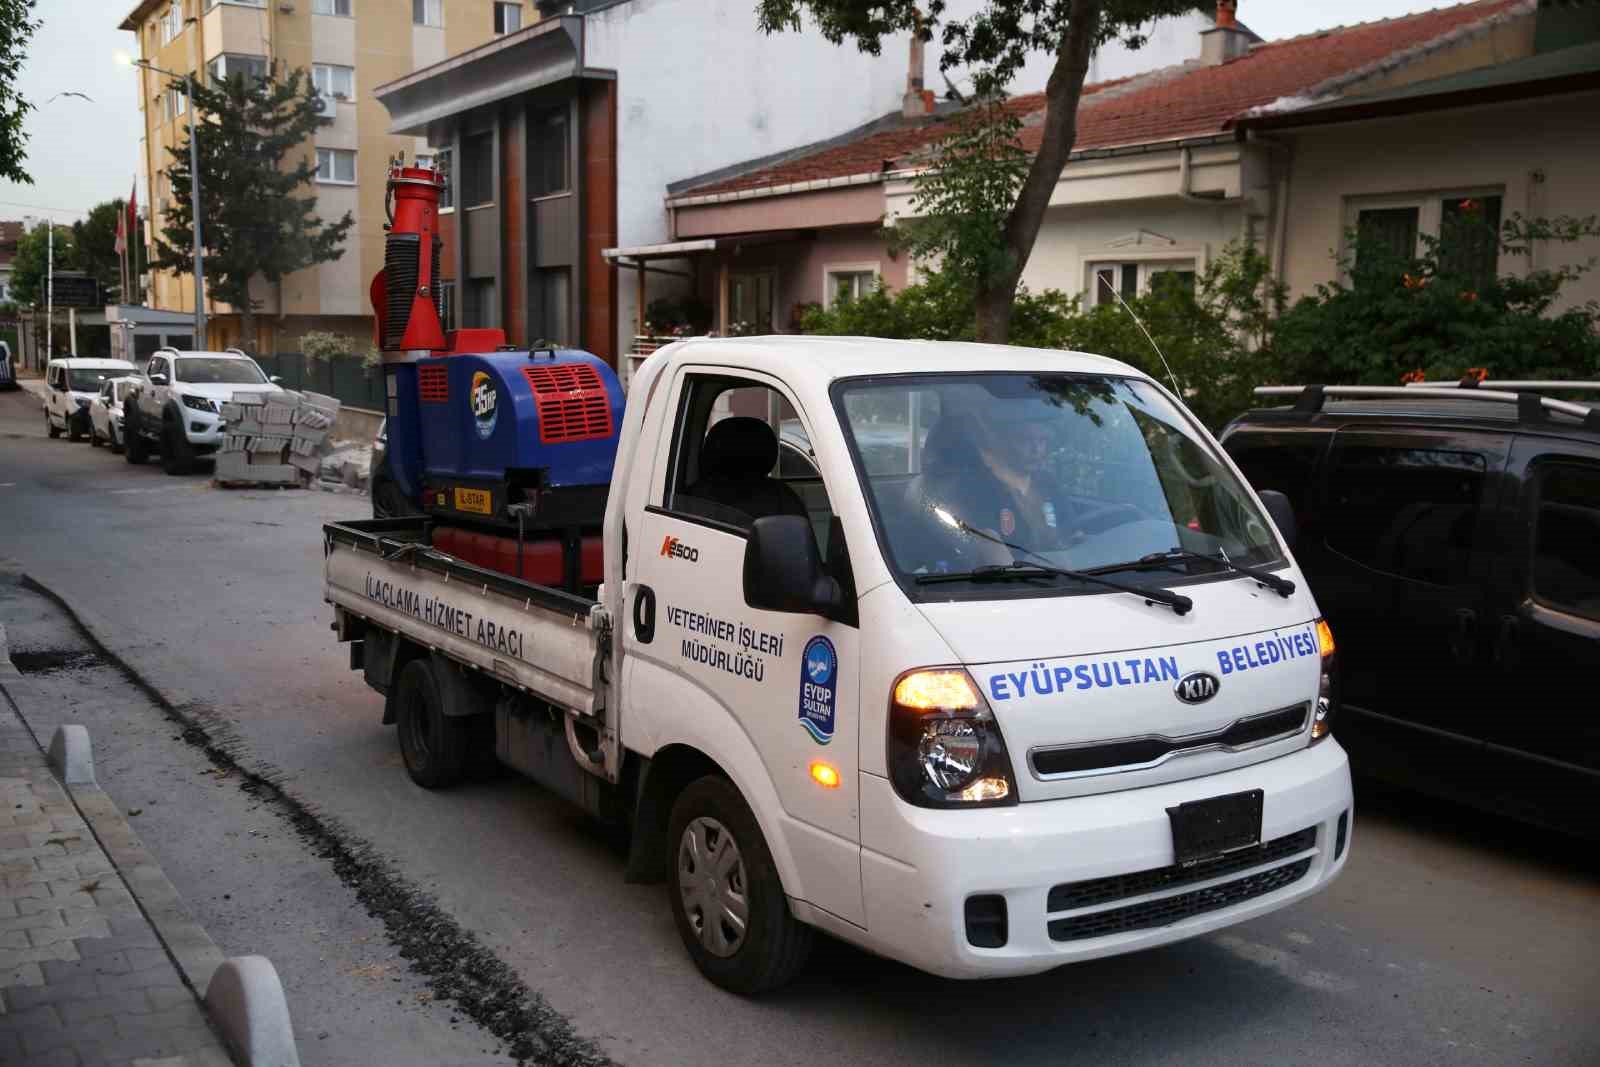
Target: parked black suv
1451, 535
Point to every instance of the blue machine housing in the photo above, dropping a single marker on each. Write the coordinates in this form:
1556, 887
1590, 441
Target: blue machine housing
484, 426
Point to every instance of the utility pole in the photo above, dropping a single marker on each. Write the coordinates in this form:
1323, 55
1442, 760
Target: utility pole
194, 190
50, 294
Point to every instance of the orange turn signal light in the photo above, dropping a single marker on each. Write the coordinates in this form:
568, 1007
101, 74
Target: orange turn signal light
825, 774
1324, 637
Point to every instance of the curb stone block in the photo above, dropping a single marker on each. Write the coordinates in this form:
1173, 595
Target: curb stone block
70, 755
245, 1000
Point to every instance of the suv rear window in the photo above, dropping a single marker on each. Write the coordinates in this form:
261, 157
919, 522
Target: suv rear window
1410, 512
1566, 568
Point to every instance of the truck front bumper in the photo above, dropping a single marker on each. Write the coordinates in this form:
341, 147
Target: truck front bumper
1090, 876
204, 429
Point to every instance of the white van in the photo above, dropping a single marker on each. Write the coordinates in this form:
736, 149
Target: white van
1001, 666
71, 384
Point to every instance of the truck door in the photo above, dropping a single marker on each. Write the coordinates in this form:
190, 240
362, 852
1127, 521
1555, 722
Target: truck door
1403, 574
787, 682
1546, 628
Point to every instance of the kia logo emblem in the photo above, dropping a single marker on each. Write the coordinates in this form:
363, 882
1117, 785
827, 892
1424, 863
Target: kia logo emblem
1197, 687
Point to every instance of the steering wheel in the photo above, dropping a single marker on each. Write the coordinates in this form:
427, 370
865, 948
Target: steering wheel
1104, 516
1175, 458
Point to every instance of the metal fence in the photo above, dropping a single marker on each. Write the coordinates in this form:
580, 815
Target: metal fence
343, 378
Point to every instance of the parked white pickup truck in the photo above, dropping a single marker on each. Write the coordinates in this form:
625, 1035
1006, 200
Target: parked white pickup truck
176, 409
1012, 669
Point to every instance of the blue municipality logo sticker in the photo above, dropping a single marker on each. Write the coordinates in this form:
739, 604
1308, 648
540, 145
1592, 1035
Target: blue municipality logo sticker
819, 683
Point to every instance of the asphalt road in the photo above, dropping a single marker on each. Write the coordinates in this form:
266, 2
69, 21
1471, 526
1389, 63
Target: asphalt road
1449, 938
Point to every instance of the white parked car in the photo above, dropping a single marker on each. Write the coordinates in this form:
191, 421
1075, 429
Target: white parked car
8, 373
70, 387
105, 412
176, 407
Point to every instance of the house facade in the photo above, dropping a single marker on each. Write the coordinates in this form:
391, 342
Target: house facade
1167, 169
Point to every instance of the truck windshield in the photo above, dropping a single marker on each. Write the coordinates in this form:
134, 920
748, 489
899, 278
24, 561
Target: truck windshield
1082, 472
215, 370
90, 379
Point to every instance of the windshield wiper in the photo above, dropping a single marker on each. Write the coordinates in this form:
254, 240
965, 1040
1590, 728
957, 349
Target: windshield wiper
1282, 586
1179, 603
989, 572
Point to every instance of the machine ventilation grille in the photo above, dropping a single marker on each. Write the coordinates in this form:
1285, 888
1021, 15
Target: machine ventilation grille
572, 401
433, 384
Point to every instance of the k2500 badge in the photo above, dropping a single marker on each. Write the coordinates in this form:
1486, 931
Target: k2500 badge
672, 548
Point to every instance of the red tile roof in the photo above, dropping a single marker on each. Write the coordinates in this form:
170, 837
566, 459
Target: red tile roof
1179, 102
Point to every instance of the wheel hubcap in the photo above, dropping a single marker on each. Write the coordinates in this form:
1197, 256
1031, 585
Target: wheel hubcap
711, 881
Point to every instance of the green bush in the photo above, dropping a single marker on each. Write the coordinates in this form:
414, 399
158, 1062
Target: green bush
1442, 313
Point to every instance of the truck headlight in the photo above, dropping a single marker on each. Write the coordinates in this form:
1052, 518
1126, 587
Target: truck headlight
945, 748
199, 403
1328, 687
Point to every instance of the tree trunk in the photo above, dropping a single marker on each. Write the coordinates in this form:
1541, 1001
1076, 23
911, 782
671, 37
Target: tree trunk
1061, 93
247, 324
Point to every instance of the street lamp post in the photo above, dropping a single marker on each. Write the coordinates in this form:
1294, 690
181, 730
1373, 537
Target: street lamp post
194, 197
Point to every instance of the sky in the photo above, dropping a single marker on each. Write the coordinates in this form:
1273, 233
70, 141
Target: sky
82, 152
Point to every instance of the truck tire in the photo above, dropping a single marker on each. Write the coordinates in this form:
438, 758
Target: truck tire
50, 427
720, 861
177, 457
137, 450
433, 744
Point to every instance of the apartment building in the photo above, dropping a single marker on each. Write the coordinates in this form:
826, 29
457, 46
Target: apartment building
350, 46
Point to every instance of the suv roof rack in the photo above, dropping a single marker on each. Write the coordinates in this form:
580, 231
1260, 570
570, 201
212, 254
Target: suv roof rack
169, 348
235, 352
1531, 407
1513, 386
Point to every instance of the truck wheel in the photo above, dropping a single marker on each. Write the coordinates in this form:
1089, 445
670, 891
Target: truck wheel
433, 744
726, 897
137, 450
50, 427
176, 455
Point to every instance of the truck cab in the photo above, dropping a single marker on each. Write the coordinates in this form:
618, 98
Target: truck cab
983, 658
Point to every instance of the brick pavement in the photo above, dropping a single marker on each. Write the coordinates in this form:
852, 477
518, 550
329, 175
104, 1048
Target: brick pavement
84, 980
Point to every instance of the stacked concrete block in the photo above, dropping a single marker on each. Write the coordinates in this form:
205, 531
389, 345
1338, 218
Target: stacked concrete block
275, 438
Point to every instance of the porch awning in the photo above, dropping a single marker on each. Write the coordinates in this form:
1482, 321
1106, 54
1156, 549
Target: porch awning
547, 52
699, 246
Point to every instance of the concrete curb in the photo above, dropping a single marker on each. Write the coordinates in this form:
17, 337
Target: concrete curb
246, 1001
71, 756
256, 1020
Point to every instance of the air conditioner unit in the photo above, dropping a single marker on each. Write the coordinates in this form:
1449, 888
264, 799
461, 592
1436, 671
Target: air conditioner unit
327, 107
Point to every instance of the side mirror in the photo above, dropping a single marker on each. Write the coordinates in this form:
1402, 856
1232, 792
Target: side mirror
275, 379
1282, 513
782, 571
158, 378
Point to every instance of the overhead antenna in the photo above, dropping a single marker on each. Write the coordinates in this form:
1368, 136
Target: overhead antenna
1175, 384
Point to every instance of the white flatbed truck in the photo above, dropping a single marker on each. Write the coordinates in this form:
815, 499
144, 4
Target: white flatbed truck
984, 659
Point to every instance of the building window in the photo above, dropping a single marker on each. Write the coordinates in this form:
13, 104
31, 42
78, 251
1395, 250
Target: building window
478, 308
331, 7
750, 303
548, 170
554, 293
251, 68
427, 12
1466, 225
334, 81
336, 166
848, 283
439, 160
177, 103
1108, 281
172, 24
476, 180
507, 18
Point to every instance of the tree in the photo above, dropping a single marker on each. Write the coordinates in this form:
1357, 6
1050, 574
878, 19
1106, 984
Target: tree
31, 265
996, 42
254, 150
16, 28
95, 238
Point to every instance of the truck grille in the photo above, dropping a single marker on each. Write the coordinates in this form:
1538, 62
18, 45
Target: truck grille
1121, 886
1147, 751
401, 252
1168, 910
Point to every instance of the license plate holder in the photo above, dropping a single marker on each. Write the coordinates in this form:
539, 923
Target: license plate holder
477, 501
1206, 829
